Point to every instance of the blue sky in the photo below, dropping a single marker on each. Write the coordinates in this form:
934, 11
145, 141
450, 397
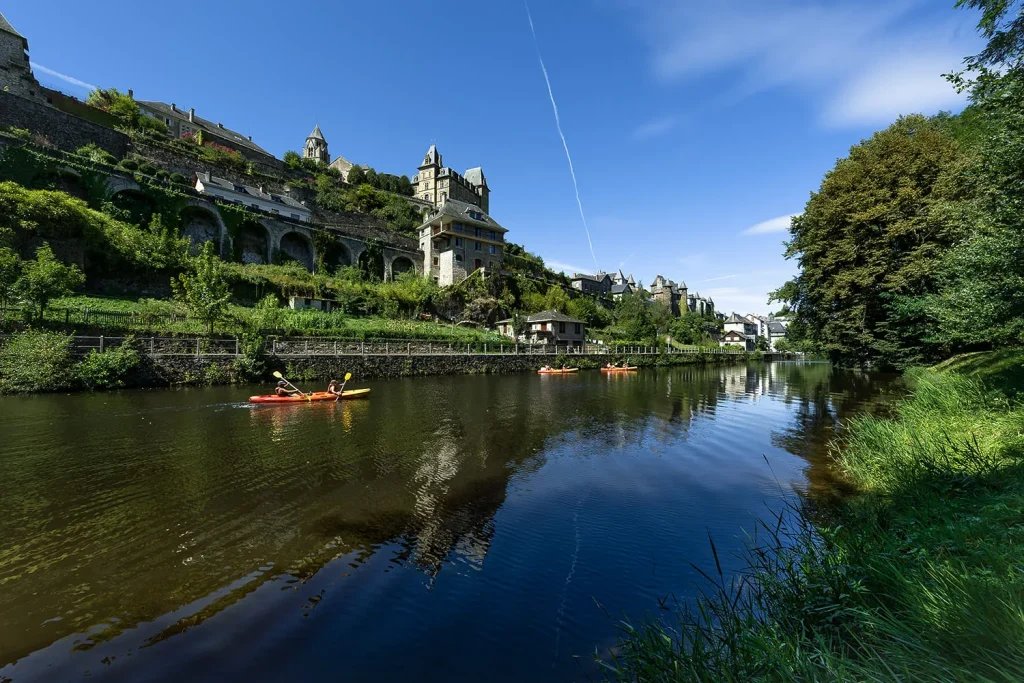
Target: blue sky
694, 128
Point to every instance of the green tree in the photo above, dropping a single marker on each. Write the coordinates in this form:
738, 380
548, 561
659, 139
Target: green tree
556, 299
10, 270
689, 328
204, 290
633, 317
356, 176
46, 278
873, 236
292, 159
762, 344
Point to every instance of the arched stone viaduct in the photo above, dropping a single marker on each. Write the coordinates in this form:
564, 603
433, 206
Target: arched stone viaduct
267, 239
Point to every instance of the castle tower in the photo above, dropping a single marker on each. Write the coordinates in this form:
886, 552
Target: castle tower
427, 179
15, 69
316, 147
476, 178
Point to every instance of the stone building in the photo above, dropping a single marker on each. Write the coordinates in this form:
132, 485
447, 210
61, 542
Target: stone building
457, 239
15, 70
549, 327
595, 285
670, 294
251, 197
182, 123
699, 305
437, 183
316, 147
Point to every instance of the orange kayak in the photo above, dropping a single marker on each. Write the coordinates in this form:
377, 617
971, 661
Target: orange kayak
629, 369
567, 371
308, 398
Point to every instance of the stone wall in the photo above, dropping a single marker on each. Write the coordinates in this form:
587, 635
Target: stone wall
170, 370
65, 131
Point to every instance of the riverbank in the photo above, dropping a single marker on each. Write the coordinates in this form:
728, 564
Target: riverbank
36, 362
918, 576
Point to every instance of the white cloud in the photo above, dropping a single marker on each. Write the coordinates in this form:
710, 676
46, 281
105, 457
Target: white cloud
655, 128
780, 224
64, 77
863, 63
566, 268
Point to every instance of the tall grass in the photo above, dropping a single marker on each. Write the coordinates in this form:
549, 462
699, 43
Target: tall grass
919, 577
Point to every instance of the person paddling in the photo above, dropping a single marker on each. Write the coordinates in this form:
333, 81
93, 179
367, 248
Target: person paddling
334, 388
283, 390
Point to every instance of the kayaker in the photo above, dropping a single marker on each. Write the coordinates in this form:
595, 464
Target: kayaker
333, 388
283, 390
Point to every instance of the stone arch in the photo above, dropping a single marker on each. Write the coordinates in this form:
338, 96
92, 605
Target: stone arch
371, 262
139, 206
201, 223
297, 246
116, 184
402, 264
253, 243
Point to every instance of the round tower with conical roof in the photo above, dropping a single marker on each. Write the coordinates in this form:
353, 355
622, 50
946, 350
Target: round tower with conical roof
316, 147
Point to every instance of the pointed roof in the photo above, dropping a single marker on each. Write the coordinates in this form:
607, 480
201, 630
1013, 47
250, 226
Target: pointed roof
432, 157
734, 318
6, 27
316, 134
476, 176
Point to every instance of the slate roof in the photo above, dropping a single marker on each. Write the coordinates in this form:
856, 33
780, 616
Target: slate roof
6, 27
475, 176
460, 210
734, 318
316, 134
733, 332
776, 328
548, 316
624, 288
233, 136
229, 186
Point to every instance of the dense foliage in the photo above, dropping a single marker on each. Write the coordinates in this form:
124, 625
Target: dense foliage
913, 247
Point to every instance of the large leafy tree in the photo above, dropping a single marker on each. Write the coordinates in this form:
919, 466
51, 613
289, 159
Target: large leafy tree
46, 278
204, 290
633, 317
871, 239
981, 301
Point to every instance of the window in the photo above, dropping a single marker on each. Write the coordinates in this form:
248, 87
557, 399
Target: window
458, 258
493, 250
435, 260
561, 328
491, 234
478, 232
458, 241
543, 327
478, 247
578, 330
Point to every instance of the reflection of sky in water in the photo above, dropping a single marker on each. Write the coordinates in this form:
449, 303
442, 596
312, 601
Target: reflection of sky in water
441, 527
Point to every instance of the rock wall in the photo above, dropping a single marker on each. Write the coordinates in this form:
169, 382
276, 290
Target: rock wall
65, 131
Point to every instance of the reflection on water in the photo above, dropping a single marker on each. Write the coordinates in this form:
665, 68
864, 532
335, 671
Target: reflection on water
447, 528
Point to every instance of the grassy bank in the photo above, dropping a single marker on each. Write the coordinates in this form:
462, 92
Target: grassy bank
919, 576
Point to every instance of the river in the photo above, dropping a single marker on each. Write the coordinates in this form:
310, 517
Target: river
449, 528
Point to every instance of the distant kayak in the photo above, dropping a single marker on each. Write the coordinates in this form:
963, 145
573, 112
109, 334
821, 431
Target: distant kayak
566, 371
315, 396
629, 369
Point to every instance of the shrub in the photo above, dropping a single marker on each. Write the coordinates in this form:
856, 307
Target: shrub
178, 179
36, 361
109, 369
163, 175
23, 134
129, 164
147, 168
92, 152
251, 365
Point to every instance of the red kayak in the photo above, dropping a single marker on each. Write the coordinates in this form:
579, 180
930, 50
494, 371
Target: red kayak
629, 369
309, 398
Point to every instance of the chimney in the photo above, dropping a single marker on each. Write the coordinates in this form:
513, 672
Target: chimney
173, 107
220, 125
250, 138
131, 93
191, 114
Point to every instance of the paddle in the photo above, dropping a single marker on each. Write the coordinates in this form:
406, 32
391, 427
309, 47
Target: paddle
348, 376
281, 377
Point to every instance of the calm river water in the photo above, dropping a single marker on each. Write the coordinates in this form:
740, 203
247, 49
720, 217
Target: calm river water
453, 528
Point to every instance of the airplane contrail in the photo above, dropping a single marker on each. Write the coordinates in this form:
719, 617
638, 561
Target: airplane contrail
558, 125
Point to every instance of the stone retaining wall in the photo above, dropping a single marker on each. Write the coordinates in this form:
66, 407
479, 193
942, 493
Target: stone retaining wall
64, 130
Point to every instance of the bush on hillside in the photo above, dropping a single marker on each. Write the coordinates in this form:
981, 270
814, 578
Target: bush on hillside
36, 361
110, 369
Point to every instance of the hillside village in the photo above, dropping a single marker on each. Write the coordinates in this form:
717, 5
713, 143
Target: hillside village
323, 212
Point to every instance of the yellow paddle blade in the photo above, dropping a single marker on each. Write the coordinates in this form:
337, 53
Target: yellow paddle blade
278, 375
348, 376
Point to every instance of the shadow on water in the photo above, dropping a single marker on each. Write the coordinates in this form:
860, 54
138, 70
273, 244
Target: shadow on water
443, 528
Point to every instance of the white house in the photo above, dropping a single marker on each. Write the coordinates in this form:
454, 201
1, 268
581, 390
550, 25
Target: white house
251, 197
